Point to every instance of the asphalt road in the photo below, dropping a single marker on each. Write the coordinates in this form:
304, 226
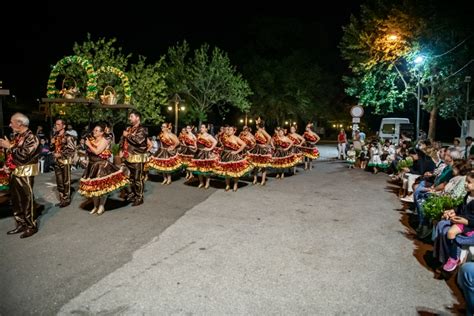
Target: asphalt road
326, 241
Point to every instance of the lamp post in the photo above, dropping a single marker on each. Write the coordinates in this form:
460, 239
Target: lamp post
176, 101
246, 120
418, 61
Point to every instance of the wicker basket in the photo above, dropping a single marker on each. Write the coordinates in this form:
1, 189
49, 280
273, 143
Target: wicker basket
71, 92
109, 96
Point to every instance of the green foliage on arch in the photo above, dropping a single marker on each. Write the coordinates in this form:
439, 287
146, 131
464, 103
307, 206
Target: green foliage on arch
91, 90
125, 82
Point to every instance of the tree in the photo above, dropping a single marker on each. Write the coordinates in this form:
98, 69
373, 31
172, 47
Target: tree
146, 81
206, 79
382, 44
149, 89
293, 76
290, 88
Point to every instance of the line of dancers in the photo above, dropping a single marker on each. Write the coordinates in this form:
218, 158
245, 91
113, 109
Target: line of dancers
226, 156
229, 156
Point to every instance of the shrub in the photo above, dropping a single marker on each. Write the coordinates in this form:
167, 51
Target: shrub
435, 205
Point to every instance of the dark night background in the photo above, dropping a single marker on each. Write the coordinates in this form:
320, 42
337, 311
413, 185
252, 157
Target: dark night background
35, 36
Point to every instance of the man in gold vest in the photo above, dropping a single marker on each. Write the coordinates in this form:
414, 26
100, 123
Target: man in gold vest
133, 146
22, 161
64, 149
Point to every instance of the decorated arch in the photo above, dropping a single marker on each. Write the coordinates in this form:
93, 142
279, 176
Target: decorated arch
125, 82
91, 92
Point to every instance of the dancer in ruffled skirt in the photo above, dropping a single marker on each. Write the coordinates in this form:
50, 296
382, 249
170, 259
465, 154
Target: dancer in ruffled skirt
297, 140
187, 149
232, 163
309, 149
205, 160
261, 155
100, 177
283, 157
166, 159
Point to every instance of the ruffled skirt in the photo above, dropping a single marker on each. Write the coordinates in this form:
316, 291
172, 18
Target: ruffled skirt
260, 156
165, 160
310, 151
4, 180
101, 177
232, 165
204, 162
186, 154
283, 159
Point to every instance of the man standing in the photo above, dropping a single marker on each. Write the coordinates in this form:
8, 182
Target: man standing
469, 149
64, 148
22, 161
133, 146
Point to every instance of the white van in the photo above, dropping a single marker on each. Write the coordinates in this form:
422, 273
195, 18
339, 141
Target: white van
392, 127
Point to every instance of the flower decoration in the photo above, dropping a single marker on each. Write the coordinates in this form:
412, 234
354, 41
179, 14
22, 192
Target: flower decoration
125, 81
91, 90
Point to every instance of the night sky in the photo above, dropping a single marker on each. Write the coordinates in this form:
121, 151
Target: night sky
36, 36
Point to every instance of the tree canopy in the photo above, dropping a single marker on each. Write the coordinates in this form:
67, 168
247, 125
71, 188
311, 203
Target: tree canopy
206, 79
382, 46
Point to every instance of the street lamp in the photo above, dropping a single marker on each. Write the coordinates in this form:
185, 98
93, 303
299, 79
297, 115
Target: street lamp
418, 61
176, 101
246, 120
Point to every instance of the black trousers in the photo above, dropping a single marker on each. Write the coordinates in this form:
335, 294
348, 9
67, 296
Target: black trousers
63, 181
137, 179
23, 201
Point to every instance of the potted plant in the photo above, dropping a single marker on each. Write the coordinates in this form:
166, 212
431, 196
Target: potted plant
435, 205
116, 153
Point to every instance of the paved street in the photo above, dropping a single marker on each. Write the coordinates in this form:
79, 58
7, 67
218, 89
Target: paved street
327, 241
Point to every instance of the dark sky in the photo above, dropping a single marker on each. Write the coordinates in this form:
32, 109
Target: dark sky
35, 36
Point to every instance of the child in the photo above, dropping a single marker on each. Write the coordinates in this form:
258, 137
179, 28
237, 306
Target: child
363, 157
351, 156
462, 222
375, 152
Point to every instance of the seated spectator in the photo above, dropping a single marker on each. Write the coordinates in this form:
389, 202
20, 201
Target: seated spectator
456, 144
466, 283
421, 165
45, 155
461, 222
424, 189
82, 154
40, 132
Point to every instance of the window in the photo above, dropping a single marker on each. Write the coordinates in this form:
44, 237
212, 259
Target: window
388, 128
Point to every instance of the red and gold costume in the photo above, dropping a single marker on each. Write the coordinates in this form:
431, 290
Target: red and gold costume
296, 148
283, 157
187, 150
101, 176
134, 150
249, 141
310, 150
204, 161
261, 155
65, 146
22, 164
165, 160
231, 164
4, 172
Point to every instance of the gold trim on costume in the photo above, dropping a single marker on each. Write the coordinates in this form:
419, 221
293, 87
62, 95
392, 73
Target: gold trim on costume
65, 161
26, 170
137, 158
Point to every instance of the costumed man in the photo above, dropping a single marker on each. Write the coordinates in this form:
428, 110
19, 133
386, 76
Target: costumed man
22, 161
64, 148
133, 147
